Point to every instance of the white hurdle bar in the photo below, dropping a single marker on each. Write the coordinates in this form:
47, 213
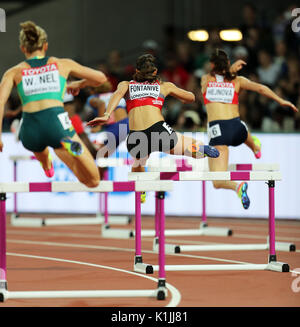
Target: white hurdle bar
99, 219
105, 186
269, 176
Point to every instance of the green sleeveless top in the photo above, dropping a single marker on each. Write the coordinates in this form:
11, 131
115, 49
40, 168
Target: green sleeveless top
41, 81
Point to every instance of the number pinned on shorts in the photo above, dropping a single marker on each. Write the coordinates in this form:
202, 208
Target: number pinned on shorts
214, 131
65, 120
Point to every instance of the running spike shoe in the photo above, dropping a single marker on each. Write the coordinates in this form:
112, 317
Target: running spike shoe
49, 172
257, 143
143, 197
242, 194
73, 147
204, 150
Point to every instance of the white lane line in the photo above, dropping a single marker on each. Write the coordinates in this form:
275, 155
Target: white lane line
176, 296
295, 271
69, 234
112, 248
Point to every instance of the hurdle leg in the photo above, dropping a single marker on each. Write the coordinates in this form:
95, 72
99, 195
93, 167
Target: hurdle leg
14, 215
156, 222
15, 194
162, 291
169, 248
204, 218
139, 266
273, 265
3, 282
103, 209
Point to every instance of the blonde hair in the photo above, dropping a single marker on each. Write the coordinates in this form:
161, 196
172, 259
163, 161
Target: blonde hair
32, 37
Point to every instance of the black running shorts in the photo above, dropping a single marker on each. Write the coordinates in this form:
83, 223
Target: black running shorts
158, 137
227, 132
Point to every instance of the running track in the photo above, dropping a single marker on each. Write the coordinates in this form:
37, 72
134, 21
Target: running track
76, 257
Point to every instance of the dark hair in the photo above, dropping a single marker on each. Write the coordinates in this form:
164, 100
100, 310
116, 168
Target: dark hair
146, 67
221, 64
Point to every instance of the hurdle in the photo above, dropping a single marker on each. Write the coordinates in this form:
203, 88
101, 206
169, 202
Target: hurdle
267, 176
16, 220
280, 246
105, 186
168, 164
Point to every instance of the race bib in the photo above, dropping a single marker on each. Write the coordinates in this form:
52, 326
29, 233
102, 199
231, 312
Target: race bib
214, 131
42, 79
65, 120
137, 91
220, 92
168, 128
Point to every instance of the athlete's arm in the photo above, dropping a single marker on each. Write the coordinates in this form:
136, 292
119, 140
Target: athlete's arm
177, 92
112, 105
98, 104
88, 76
264, 90
236, 66
6, 86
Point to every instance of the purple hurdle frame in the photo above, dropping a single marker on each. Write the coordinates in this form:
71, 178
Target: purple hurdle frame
117, 187
3, 283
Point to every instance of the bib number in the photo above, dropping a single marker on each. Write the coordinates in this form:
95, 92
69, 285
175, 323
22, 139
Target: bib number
65, 120
168, 128
214, 131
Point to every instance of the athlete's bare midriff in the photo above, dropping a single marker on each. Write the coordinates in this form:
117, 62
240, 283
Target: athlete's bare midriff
120, 114
143, 117
221, 111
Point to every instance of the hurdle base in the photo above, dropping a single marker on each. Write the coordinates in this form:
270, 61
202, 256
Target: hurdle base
162, 292
108, 232
81, 294
141, 267
283, 246
3, 290
215, 231
18, 221
279, 246
169, 248
278, 266
272, 266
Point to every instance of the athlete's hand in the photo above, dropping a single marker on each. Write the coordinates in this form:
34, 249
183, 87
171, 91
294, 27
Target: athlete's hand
1, 145
285, 103
238, 65
98, 121
74, 88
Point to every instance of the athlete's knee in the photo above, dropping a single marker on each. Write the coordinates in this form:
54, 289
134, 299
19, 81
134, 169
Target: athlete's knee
217, 184
93, 182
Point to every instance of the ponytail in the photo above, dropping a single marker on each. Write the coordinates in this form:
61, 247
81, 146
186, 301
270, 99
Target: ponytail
32, 37
221, 64
146, 68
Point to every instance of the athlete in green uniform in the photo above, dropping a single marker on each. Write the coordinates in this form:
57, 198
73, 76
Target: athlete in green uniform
41, 85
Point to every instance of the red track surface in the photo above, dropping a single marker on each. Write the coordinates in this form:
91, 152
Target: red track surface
84, 245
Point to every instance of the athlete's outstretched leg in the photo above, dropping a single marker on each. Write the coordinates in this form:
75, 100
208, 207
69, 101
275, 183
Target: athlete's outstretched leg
45, 159
254, 144
221, 164
193, 148
83, 166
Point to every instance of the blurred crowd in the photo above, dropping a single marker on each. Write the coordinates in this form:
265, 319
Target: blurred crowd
269, 46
